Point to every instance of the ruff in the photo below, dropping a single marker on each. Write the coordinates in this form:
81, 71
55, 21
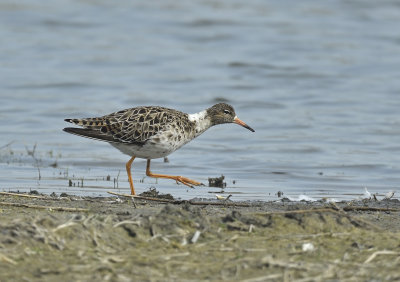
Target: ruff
152, 132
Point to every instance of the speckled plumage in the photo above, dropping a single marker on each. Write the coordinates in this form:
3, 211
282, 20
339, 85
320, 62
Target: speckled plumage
147, 132
134, 125
151, 132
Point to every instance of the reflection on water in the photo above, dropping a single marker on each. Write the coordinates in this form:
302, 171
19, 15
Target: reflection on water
318, 82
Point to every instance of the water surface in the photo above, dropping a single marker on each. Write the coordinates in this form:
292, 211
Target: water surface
318, 81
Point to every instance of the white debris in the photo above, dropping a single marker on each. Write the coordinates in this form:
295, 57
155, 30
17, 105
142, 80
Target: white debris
195, 237
306, 198
184, 241
388, 195
330, 200
308, 247
366, 195
302, 198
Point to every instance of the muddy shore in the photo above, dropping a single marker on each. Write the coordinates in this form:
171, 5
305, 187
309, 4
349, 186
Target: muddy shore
69, 238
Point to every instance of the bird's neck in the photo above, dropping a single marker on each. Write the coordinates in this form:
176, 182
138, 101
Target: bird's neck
202, 121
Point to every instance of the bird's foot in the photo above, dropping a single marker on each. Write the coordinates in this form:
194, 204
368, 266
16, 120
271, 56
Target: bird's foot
187, 181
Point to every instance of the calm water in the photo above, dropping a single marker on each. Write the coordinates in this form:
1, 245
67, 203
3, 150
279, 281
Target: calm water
319, 81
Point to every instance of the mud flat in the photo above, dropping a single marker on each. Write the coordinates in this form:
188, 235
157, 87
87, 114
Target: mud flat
69, 238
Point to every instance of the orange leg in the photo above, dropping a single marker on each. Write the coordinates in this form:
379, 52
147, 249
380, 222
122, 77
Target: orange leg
181, 179
128, 170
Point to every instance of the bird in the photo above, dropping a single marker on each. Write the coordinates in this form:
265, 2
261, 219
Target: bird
151, 132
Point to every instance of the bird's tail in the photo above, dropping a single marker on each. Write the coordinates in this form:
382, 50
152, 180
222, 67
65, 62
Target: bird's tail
89, 133
88, 122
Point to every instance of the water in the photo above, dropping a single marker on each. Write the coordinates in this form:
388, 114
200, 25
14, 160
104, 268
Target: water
318, 81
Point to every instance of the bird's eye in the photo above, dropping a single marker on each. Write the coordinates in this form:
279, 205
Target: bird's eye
227, 112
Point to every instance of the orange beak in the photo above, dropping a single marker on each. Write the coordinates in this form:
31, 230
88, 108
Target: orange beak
242, 123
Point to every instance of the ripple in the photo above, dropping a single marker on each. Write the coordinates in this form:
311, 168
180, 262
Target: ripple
69, 24
54, 85
210, 23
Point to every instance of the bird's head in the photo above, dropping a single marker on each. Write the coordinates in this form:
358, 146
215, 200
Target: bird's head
224, 113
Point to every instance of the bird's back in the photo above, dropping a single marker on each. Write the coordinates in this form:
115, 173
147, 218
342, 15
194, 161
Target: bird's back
130, 126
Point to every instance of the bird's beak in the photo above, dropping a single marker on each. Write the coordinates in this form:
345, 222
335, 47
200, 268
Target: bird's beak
242, 123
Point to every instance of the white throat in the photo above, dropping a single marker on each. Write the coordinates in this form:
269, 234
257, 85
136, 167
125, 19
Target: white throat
202, 121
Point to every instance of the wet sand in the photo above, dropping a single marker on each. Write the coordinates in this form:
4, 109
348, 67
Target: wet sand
70, 238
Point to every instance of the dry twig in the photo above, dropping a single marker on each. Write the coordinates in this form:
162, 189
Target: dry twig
64, 225
352, 208
178, 202
127, 222
32, 153
141, 197
269, 277
4, 258
374, 255
170, 256
6, 145
44, 207
22, 195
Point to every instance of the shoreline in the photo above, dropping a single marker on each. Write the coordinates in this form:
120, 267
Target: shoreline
114, 238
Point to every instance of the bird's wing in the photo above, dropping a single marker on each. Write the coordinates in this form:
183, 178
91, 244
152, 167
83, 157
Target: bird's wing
135, 125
